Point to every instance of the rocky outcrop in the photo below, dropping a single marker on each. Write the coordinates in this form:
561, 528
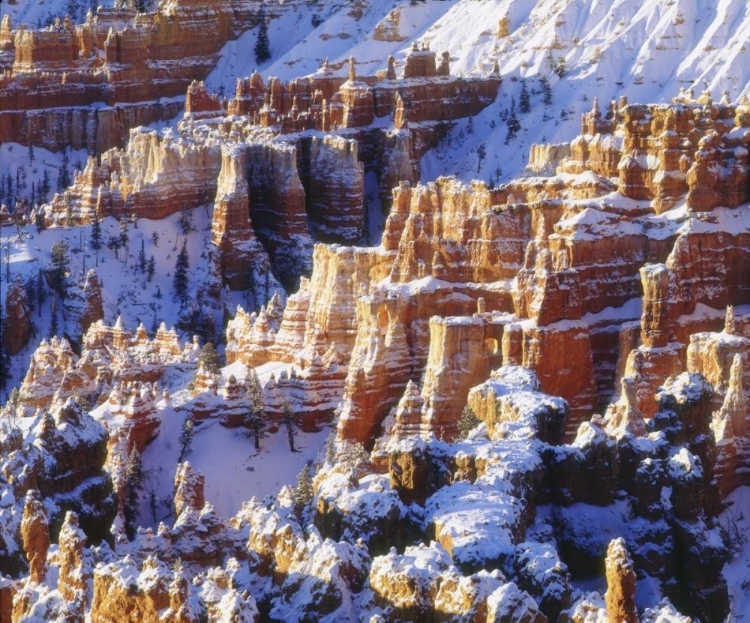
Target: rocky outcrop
620, 595
84, 306
84, 86
17, 325
35, 535
244, 262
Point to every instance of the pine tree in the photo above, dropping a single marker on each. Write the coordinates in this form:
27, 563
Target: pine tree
514, 125
331, 454
546, 91
561, 67
53, 326
180, 280
185, 222
142, 258
186, 439
96, 237
210, 358
113, 244
352, 455
63, 174
71, 9
133, 486
40, 220
44, 187
470, 126
468, 422
481, 155
124, 234
59, 267
290, 422
41, 291
254, 419
150, 268
303, 492
31, 153
31, 296
262, 44
4, 357
524, 102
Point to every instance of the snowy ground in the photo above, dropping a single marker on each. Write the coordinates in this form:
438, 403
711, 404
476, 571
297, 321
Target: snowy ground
646, 51
239, 473
126, 291
737, 571
38, 13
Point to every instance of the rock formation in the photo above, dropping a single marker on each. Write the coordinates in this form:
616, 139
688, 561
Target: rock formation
620, 596
17, 325
85, 86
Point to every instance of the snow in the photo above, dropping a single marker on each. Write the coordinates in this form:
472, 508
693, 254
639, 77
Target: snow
38, 13
736, 519
126, 292
241, 472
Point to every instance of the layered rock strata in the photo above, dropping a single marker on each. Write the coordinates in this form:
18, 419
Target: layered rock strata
84, 86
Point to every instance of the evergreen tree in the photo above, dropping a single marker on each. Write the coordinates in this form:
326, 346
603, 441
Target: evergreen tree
352, 455
4, 357
44, 187
114, 244
40, 220
150, 268
331, 455
96, 237
153, 505
31, 296
262, 44
514, 125
254, 419
546, 91
289, 419
142, 258
470, 126
524, 102
155, 239
31, 153
561, 67
124, 234
63, 174
303, 492
210, 358
186, 439
468, 422
53, 326
481, 155
59, 268
180, 279
185, 222
133, 486
41, 291
71, 9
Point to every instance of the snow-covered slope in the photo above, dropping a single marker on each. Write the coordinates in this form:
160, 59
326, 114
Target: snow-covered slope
36, 13
646, 51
